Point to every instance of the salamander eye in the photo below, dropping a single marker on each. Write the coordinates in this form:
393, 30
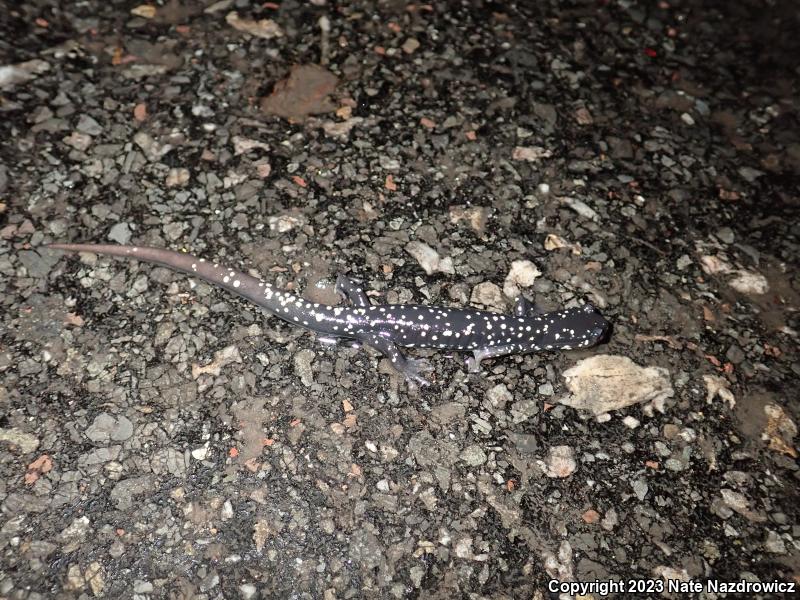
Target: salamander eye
599, 334
589, 308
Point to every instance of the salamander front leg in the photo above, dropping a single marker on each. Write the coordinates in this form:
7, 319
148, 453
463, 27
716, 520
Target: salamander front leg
524, 308
347, 288
409, 367
479, 354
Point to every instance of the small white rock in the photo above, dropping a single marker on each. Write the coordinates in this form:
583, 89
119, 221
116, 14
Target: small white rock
559, 462
630, 422
429, 259
200, 453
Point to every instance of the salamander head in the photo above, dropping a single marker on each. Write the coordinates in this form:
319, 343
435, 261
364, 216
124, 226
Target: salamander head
572, 329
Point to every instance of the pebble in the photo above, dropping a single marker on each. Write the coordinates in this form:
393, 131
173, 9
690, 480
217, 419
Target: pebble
630, 422
302, 366
177, 177
38, 264
489, 295
142, 587
774, 543
79, 141
200, 453
748, 282
23, 441
640, 488
734, 354
603, 383
120, 233
726, 235
750, 174
499, 396
410, 45
559, 462
429, 259
473, 455
106, 427
683, 262
523, 274
530, 153
88, 125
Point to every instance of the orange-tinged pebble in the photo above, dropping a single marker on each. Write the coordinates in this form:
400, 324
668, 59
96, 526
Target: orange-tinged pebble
43, 464
591, 516
233, 452
140, 112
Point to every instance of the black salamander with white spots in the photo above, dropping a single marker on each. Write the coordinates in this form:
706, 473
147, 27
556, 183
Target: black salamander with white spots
384, 328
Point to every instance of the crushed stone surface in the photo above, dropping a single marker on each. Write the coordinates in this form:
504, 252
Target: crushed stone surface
162, 439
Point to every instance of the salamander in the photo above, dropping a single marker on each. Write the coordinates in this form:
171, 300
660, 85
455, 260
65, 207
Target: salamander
486, 334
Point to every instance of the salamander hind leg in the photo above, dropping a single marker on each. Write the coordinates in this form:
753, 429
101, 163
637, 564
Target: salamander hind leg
479, 354
409, 367
348, 288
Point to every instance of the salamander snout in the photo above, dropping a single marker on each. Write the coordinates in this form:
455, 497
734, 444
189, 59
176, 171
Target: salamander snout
593, 327
600, 328
601, 334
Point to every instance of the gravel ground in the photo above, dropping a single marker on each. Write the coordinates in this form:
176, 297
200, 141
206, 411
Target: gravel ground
160, 438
